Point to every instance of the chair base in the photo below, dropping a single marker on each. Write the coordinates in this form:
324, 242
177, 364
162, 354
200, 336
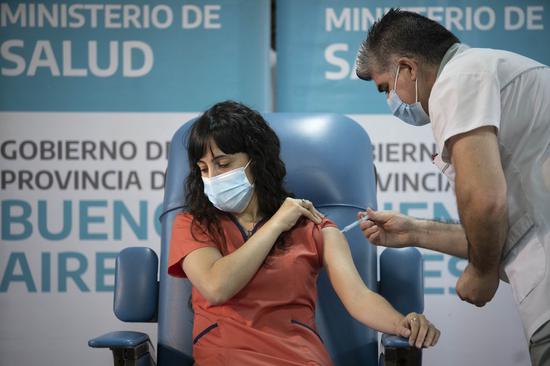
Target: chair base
394, 356
137, 356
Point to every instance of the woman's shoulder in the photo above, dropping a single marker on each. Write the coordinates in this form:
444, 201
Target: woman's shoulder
326, 222
309, 228
187, 228
309, 225
187, 221
183, 219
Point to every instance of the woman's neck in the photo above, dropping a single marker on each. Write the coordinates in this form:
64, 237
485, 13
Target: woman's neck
251, 213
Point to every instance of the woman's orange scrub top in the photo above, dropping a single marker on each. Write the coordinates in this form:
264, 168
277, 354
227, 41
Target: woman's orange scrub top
271, 321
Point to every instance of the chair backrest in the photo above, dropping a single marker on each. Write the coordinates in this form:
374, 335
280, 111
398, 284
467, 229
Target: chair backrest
329, 161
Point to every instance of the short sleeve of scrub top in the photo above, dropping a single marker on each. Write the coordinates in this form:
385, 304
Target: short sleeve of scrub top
461, 101
184, 242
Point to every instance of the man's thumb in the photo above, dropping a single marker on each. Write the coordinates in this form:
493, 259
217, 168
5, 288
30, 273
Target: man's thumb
377, 215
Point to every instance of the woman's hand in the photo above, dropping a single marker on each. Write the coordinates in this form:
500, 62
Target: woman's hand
419, 331
388, 228
292, 209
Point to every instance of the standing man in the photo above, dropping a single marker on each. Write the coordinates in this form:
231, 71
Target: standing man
490, 115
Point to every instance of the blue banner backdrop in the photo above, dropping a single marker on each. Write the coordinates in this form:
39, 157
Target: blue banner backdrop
176, 56
318, 40
82, 167
317, 43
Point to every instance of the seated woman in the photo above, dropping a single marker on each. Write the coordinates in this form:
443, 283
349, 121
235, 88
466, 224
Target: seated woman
253, 253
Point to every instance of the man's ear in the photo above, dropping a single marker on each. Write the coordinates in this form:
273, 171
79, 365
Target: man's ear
407, 63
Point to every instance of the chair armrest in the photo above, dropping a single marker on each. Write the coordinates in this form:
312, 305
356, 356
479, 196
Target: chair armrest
124, 339
394, 341
396, 351
129, 348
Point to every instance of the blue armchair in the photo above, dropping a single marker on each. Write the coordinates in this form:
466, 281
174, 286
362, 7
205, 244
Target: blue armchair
328, 161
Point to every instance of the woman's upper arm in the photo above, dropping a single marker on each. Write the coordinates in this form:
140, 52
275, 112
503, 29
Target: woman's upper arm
340, 268
197, 265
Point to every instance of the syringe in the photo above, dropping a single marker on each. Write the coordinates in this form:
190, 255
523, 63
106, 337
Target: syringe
354, 224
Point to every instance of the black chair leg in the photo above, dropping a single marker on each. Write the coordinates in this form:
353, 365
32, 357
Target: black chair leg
138, 356
394, 356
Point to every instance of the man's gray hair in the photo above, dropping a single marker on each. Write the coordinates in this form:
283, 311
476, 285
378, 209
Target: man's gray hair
402, 34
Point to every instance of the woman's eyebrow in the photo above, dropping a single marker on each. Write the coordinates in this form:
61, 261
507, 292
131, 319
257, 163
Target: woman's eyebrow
220, 157
214, 158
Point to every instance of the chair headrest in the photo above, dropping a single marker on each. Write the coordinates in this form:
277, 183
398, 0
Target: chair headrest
320, 152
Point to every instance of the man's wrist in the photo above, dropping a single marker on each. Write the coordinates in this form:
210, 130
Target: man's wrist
487, 271
419, 232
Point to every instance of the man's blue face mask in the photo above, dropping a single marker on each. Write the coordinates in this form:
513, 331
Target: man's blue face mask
412, 114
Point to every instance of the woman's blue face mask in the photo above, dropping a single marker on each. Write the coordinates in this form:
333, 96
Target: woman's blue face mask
230, 191
412, 114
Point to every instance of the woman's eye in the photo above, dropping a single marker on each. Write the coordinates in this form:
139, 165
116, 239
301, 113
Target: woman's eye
203, 170
223, 165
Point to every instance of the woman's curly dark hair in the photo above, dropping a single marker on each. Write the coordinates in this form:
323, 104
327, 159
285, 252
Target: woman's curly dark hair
235, 128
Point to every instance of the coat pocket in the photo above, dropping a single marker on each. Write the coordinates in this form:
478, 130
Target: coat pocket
525, 265
516, 232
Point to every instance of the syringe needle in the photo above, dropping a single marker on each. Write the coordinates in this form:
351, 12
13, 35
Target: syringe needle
354, 224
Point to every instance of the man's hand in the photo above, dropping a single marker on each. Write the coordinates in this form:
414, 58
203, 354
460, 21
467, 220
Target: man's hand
475, 287
388, 228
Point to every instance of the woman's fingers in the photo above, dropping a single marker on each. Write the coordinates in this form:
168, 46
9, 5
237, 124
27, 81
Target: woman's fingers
313, 214
316, 212
422, 332
404, 329
430, 336
414, 324
307, 213
319, 213
436, 338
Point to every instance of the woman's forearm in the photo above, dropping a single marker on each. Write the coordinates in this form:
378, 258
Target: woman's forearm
229, 274
374, 311
363, 304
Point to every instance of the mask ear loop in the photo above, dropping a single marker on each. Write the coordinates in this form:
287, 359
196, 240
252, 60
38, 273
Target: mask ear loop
244, 168
396, 77
247, 164
416, 89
